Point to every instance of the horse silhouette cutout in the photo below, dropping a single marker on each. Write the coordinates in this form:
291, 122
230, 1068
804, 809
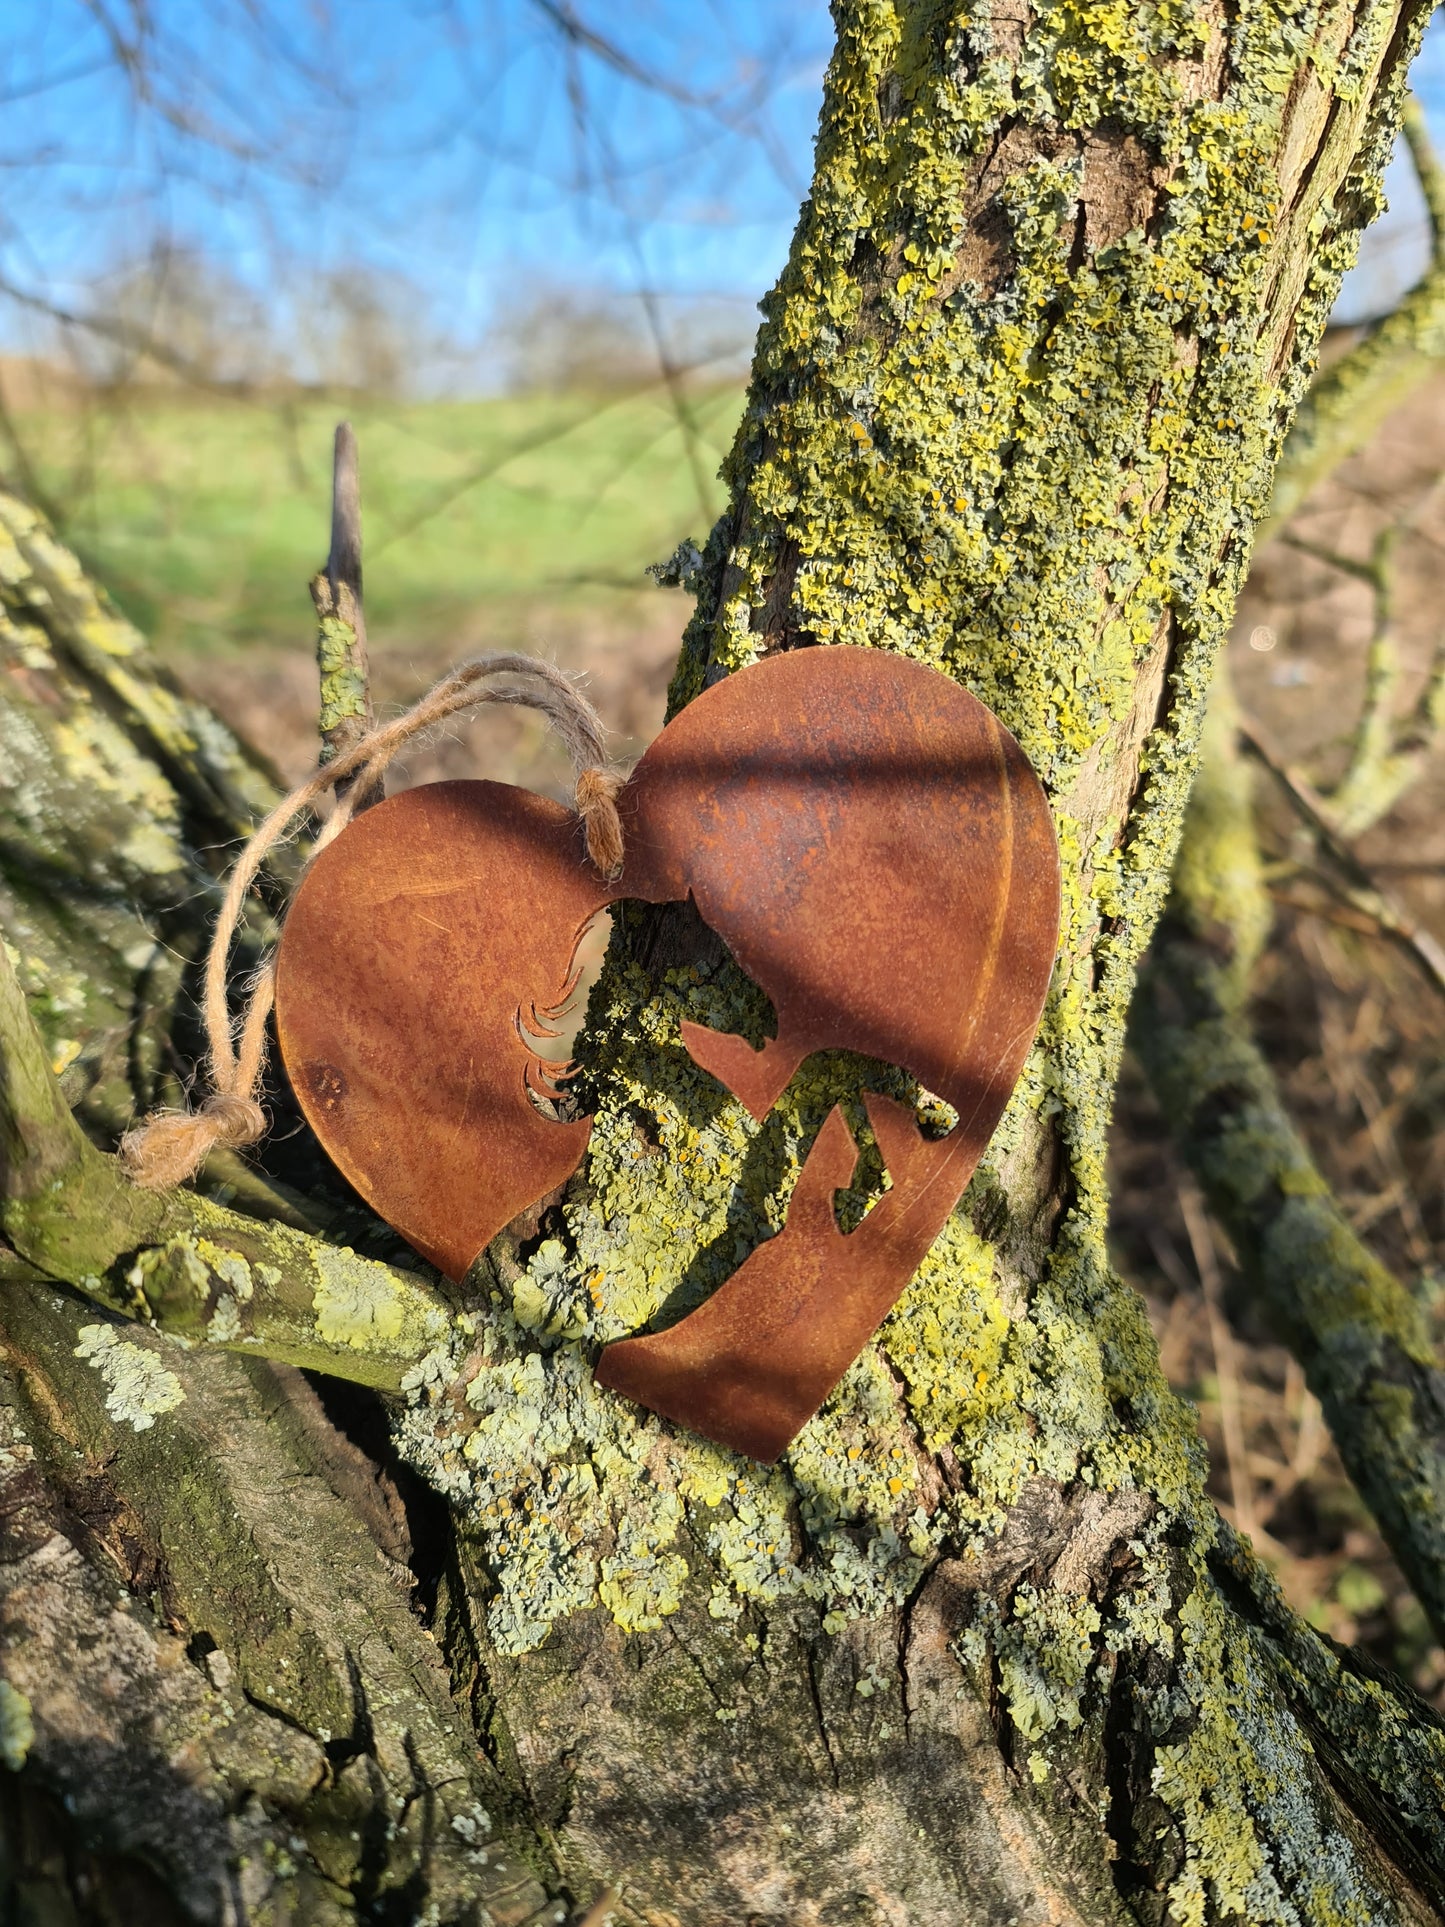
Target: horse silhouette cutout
875, 850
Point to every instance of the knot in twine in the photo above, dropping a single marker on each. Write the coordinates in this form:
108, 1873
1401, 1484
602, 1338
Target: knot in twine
170, 1146
595, 800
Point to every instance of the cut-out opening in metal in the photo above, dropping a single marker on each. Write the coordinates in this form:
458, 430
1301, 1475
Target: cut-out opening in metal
550, 1031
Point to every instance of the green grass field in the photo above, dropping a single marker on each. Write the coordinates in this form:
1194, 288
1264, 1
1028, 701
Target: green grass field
206, 518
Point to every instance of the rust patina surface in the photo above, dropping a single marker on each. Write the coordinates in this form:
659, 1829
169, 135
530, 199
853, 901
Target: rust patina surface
875, 850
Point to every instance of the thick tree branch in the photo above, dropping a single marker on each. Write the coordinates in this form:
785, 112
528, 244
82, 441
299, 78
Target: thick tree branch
223, 783
1357, 1331
209, 1662
180, 1261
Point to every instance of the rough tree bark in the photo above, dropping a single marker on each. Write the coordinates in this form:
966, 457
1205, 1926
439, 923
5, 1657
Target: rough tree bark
978, 1648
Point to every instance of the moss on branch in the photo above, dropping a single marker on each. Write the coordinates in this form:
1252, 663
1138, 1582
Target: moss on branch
118, 798
49, 604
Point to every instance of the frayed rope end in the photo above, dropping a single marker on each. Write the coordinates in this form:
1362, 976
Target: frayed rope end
596, 801
172, 1146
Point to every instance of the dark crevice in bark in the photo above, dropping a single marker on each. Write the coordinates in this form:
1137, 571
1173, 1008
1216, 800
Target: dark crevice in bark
905, 1633
361, 1740
409, 1519
670, 936
773, 620
810, 1657
50, 1878
99, 1520
1149, 1847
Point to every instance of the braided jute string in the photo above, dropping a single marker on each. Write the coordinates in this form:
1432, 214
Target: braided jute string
168, 1147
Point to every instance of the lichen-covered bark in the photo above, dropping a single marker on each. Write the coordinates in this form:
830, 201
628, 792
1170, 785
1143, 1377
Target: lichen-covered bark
216, 1703
226, 1724
974, 1650
185, 1263
118, 796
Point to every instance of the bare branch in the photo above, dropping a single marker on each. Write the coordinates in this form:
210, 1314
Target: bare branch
1221, 1340
1356, 1330
1348, 401
343, 564
1358, 882
1428, 170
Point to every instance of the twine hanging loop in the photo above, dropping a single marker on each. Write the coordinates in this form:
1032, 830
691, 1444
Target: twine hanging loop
170, 1146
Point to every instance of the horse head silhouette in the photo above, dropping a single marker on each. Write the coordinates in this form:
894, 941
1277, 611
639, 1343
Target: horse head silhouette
876, 852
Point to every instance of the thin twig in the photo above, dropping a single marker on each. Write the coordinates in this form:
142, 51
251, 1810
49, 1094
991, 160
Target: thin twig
1389, 752
343, 564
1363, 890
1428, 172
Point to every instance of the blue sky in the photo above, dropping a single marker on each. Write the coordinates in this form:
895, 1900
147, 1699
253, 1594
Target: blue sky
468, 150
465, 145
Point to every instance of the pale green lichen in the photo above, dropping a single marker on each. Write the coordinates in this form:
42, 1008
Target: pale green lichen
305, 1301
83, 791
1045, 1652
343, 678
355, 1303
17, 1726
140, 1389
1262, 1845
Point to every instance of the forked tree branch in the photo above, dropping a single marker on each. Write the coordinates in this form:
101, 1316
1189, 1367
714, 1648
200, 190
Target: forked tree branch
1356, 884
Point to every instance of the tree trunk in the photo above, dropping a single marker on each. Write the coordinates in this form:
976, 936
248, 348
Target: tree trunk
978, 1648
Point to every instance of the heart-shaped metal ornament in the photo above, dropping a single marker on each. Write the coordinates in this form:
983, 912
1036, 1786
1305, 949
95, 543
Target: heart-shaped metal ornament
878, 855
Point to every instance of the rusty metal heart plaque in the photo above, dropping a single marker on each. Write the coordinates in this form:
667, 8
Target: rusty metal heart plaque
876, 852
